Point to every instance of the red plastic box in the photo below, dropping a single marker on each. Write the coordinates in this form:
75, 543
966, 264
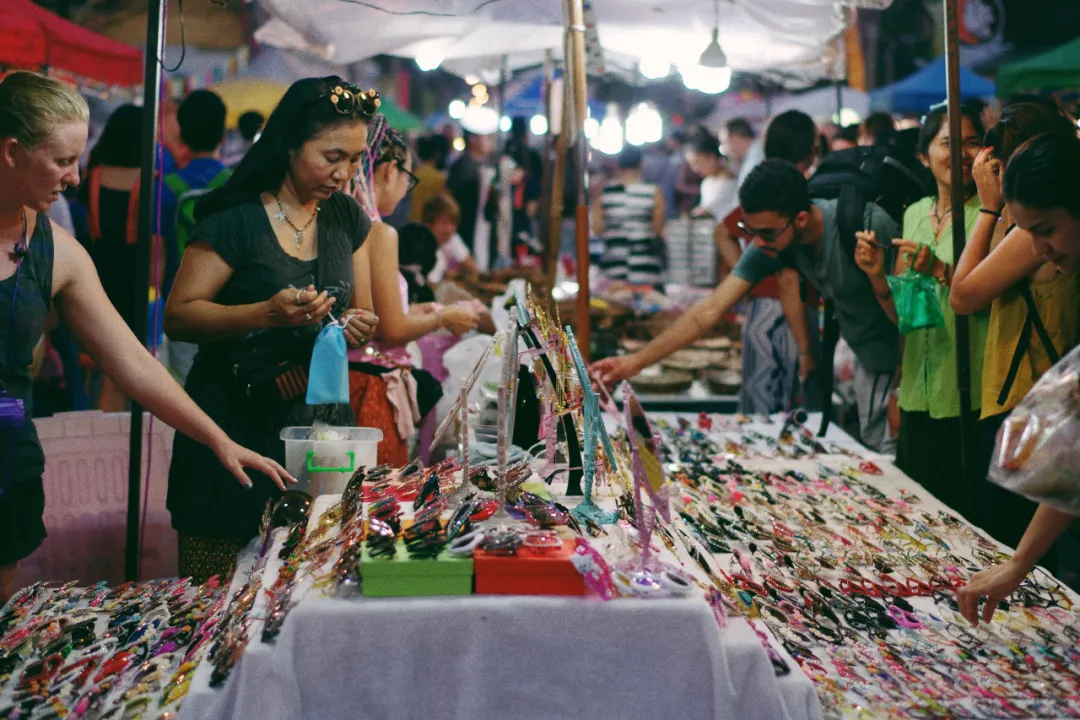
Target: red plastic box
529, 572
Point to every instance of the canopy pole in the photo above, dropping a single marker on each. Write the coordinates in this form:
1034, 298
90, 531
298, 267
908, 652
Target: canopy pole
545, 173
576, 69
155, 31
959, 231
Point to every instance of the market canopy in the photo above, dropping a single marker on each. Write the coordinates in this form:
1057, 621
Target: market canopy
32, 38
796, 37
1057, 69
243, 94
927, 86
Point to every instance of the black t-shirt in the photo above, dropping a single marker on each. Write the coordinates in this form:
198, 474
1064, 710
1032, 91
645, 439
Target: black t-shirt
243, 237
204, 498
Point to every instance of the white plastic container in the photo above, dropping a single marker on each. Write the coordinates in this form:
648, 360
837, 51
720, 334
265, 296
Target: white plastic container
324, 459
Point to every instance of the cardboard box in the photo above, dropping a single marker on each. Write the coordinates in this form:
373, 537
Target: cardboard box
529, 572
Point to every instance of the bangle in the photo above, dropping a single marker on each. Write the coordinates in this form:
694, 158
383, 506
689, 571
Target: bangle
988, 211
944, 278
438, 316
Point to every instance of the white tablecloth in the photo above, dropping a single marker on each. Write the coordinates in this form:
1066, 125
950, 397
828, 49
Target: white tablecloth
491, 657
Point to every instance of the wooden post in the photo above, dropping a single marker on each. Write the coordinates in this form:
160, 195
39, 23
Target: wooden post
576, 75
959, 230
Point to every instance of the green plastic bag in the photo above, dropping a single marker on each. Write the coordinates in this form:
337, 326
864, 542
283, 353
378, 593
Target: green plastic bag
916, 299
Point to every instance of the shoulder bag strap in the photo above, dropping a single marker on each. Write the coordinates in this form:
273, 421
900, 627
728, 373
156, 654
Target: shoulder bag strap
1031, 320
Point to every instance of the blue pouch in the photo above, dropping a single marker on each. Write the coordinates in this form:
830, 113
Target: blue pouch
328, 377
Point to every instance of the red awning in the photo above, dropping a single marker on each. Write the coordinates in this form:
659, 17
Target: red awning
33, 38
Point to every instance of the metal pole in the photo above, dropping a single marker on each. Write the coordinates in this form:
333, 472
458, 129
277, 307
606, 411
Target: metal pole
576, 69
839, 100
544, 219
956, 181
155, 31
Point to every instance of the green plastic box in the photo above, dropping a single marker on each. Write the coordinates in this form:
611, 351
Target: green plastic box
403, 576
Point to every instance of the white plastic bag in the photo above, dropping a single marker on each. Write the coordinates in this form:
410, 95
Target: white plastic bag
1037, 451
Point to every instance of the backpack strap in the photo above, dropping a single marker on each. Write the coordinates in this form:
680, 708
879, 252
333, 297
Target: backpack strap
176, 183
850, 214
1031, 320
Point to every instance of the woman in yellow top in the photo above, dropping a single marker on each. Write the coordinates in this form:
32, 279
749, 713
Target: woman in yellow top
928, 449
1044, 200
1021, 266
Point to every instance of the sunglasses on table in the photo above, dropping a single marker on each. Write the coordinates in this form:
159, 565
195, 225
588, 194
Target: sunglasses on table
766, 235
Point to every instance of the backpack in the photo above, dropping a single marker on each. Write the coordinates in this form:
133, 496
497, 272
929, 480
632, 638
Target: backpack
186, 199
887, 175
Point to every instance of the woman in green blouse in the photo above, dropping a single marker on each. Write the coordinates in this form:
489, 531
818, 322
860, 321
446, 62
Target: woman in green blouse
928, 449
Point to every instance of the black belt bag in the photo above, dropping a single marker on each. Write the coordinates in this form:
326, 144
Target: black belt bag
270, 384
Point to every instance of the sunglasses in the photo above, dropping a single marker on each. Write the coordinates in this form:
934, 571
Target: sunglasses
348, 99
766, 235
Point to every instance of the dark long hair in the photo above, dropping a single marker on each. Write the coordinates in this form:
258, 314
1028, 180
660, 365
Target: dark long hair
1042, 173
1022, 121
118, 145
303, 113
938, 116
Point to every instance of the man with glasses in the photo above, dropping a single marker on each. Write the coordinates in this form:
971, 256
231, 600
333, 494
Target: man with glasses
790, 231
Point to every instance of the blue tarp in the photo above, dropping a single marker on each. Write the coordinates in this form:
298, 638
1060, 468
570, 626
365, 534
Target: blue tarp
526, 98
925, 87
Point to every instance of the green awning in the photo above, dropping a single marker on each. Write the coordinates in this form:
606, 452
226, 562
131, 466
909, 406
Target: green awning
1057, 69
397, 117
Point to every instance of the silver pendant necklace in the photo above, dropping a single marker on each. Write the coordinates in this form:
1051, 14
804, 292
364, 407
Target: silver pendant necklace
298, 232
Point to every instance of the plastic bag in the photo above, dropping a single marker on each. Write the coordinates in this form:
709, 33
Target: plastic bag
916, 300
1037, 451
328, 377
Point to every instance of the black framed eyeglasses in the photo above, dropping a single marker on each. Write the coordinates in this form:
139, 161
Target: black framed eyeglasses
413, 179
349, 99
766, 235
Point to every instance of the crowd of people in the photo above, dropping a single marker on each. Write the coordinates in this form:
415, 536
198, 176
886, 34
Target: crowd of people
325, 214
257, 248
1016, 282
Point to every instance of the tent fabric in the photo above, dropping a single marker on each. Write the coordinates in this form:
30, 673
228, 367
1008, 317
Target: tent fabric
791, 35
1057, 69
243, 94
927, 86
525, 97
33, 38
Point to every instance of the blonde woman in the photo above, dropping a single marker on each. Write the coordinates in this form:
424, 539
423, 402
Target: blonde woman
43, 128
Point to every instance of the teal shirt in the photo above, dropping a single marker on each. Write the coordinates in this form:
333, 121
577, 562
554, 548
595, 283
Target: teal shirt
928, 374
863, 324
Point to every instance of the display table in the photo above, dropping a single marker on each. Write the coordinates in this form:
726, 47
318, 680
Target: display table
500, 657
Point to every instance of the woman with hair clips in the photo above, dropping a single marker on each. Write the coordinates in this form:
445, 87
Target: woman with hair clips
43, 128
931, 435
382, 373
277, 253
1043, 198
1030, 297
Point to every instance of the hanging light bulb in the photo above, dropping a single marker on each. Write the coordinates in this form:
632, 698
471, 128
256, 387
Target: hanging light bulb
538, 125
505, 124
655, 68
592, 128
428, 60
644, 125
609, 137
456, 109
707, 80
714, 56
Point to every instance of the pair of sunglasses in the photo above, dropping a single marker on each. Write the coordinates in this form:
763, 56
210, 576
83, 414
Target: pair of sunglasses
348, 99
766, 235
